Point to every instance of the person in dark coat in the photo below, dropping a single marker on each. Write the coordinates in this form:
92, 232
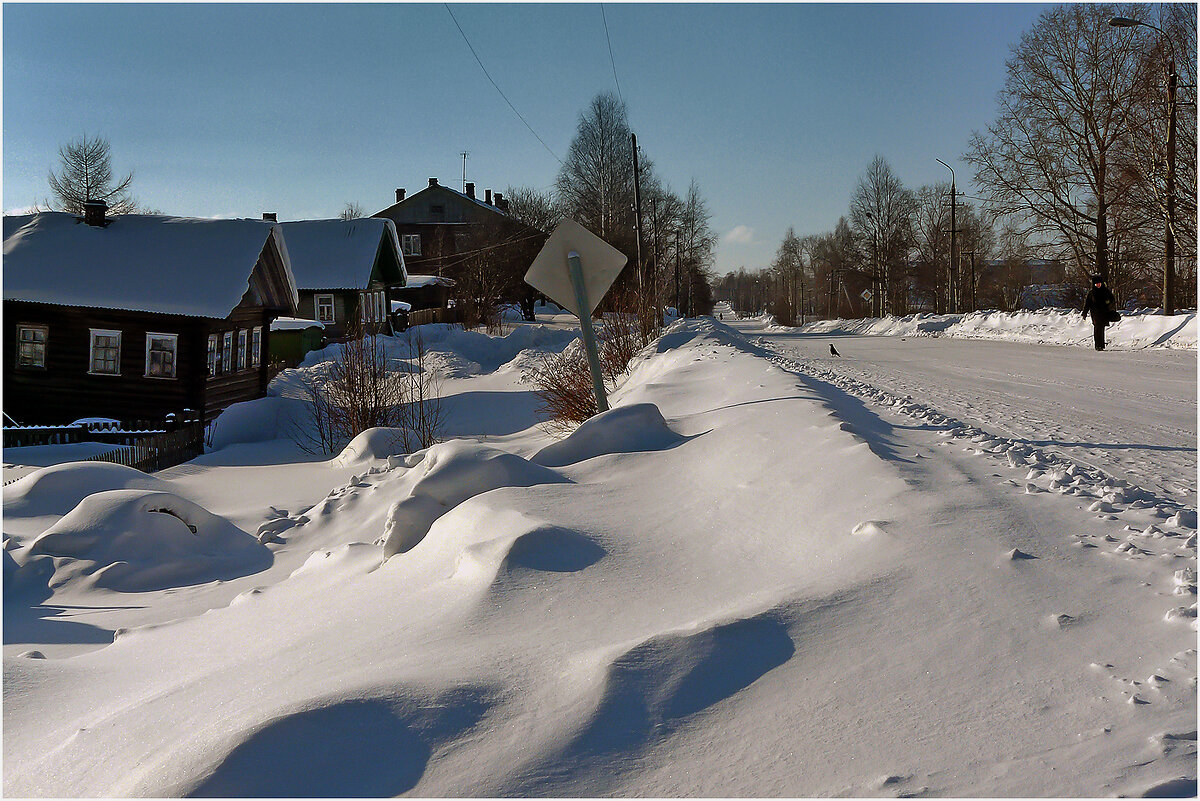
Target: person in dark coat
1102, 304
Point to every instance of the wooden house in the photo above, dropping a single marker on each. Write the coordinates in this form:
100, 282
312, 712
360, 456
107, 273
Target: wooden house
138, 316
346, 273
441, 228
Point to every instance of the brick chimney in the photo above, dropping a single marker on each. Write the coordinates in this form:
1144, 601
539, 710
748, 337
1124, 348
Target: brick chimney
471, 191
488, 197
94, 211
270, 216
399, 195
433, 181
501, 203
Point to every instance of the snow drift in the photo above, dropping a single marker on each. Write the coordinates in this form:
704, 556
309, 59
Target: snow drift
625, 429
136, 540
1143, 328
58, 489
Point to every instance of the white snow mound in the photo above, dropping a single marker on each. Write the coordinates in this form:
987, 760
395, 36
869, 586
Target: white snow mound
450, 473
137, 540
374, 444
625, 429
58, 489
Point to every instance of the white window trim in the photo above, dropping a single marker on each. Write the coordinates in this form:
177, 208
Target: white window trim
104, 332
410, 244
332, 308
256, 346
243, 340
226, 364
150, 335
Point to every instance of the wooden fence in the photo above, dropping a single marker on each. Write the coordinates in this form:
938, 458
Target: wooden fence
427, 316
143, 450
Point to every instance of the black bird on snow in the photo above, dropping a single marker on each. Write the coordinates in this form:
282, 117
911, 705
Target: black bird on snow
833, 350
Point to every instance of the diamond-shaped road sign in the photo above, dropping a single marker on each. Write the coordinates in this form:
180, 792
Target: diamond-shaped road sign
866, 295
550, 274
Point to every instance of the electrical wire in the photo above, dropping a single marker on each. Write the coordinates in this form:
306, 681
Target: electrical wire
610, 53
498, 89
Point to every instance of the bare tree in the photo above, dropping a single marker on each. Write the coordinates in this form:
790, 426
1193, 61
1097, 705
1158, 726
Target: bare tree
351, 211
1064, 112
86, 175
535, 208
881, 212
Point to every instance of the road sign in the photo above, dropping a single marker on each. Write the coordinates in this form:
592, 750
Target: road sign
866, 295
550, 273
574, 269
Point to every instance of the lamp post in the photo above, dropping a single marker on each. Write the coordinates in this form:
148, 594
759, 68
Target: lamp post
953, 237
1172, 81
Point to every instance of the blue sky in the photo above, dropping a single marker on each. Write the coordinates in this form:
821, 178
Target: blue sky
236, 109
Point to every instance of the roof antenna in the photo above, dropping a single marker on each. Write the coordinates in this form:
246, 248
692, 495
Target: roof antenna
464, 154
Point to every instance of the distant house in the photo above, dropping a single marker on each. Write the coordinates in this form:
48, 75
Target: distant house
425, 292
346, 272
292, 338
440, 228
138, 316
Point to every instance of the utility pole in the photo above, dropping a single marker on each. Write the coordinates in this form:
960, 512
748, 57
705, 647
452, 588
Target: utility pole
678, 311
464, 155
637, 232
654, 267
954, 289
1169, 267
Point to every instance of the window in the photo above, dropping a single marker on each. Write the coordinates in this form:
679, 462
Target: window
213, 365
324, 308
160, 355
362, 307
410, 244
31, 345
227, 352
104, 356
437, 210
243, 336
256, 346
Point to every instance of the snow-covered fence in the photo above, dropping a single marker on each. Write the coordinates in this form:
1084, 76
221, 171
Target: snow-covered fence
158, 451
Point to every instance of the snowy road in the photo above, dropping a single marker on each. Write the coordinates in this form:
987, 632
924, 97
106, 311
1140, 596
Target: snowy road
1131, 414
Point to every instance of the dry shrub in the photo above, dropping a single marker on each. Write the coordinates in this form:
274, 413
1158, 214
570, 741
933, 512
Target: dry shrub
563, 385
362, 390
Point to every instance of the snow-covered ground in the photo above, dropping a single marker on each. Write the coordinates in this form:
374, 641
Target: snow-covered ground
1143, 328
766, 571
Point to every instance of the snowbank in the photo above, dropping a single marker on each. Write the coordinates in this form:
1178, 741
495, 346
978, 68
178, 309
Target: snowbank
257, 420
374, 444
136, 540
625, 429
58, 489
1141, 328
448, 474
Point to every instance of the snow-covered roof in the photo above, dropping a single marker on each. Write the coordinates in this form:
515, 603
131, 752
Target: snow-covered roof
294, 324
153, 263
399, 305
418, 281
338, 254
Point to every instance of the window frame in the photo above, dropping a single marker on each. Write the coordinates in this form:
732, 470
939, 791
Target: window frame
45, 329
243, 339
226, 352
317, 298
104, 332
212, 357
256, 346
174, 340
410, 244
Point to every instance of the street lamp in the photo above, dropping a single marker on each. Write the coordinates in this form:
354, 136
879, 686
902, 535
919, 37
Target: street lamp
875, 270
1172, 80
953, 236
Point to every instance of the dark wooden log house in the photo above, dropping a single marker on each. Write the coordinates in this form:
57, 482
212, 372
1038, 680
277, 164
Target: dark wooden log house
346, 273
137, 317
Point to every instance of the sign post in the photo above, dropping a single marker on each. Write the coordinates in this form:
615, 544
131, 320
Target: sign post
574, 269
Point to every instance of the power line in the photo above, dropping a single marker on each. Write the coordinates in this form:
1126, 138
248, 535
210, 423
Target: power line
610, 55
498, 89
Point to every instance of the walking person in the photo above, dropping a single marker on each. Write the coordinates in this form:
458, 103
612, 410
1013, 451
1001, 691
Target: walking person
1102, 304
